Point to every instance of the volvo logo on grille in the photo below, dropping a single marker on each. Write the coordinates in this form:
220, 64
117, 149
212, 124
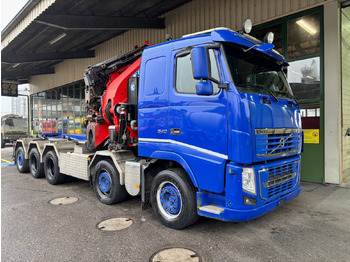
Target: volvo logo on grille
282, 143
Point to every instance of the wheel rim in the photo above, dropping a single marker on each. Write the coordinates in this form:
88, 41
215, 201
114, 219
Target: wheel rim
104, 183
50, 168
20, 159
169, 200
33, 163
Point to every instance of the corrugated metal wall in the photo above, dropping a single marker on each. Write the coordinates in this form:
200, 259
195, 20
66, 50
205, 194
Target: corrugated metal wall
195, 16
34, 13
346, 86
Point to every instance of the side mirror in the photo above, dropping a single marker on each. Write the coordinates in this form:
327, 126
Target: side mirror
205, 88
200, 63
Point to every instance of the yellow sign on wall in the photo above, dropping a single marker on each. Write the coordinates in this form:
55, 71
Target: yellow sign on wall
311, 136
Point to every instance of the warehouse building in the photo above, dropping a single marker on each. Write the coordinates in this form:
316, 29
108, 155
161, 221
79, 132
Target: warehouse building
50, 43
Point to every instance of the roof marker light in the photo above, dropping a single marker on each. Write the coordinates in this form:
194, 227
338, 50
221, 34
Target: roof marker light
247, 26
269, 37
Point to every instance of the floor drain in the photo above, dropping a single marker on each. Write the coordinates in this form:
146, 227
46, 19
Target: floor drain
63, 201
175, 255
115, 224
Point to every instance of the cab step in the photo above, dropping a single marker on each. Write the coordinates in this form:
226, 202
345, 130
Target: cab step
212, 209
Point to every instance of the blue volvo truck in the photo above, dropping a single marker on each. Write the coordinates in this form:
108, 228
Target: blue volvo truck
208, 127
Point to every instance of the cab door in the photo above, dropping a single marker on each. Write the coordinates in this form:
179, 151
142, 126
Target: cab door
198, 123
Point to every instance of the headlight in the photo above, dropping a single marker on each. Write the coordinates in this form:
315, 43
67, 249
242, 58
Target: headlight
248, 180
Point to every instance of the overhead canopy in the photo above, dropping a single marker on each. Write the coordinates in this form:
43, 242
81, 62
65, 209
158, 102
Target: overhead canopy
69, 29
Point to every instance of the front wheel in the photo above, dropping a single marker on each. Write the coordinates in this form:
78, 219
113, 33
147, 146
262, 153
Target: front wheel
21, 163
107, 185
173, 199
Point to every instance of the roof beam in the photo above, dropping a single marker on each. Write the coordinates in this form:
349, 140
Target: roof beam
75, 22
25, 73
29, 58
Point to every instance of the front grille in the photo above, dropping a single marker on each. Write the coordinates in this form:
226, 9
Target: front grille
279, 189
278, 180
277, 142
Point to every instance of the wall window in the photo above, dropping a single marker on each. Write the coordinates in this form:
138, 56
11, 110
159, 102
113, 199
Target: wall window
301, 47
60, 110
304, 78
303, 36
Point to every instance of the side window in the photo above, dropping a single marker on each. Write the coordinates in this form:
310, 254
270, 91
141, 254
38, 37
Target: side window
184, 82
155, 76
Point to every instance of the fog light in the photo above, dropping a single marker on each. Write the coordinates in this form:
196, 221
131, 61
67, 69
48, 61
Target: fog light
249, 201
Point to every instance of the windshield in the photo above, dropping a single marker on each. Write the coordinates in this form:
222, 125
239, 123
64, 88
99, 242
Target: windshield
254, 72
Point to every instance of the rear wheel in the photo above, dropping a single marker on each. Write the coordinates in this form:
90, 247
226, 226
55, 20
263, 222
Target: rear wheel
35, 167
21, 162
107, 184
173, 199
52, 170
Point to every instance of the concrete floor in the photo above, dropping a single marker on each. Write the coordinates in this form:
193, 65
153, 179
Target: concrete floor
313, 227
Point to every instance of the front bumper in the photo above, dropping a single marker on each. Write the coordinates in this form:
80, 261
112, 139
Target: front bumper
239, 215
277, 182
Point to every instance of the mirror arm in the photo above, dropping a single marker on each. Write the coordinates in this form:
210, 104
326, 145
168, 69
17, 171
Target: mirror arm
223, 86
213, 46
250, 48
220, 85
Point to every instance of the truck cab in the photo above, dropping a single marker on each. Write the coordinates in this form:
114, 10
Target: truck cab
221, 107
13, 127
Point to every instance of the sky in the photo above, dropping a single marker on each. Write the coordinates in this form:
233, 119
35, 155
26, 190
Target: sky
9, 9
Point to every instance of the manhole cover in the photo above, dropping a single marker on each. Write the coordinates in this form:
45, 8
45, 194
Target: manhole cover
175, 255
115, 224
63, 201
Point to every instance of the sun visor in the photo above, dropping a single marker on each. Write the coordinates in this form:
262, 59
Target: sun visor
246, 41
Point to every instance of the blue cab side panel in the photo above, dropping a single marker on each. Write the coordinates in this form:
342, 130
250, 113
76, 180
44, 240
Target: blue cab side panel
240, 146
153, 103
201, 122
162, 154
193, 127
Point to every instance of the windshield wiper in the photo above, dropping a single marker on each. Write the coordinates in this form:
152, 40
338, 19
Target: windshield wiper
263, 87
291, 96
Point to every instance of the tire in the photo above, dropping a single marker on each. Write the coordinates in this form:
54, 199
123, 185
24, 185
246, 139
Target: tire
52, 170
21, 163
35, 167
173, 199
107, 185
